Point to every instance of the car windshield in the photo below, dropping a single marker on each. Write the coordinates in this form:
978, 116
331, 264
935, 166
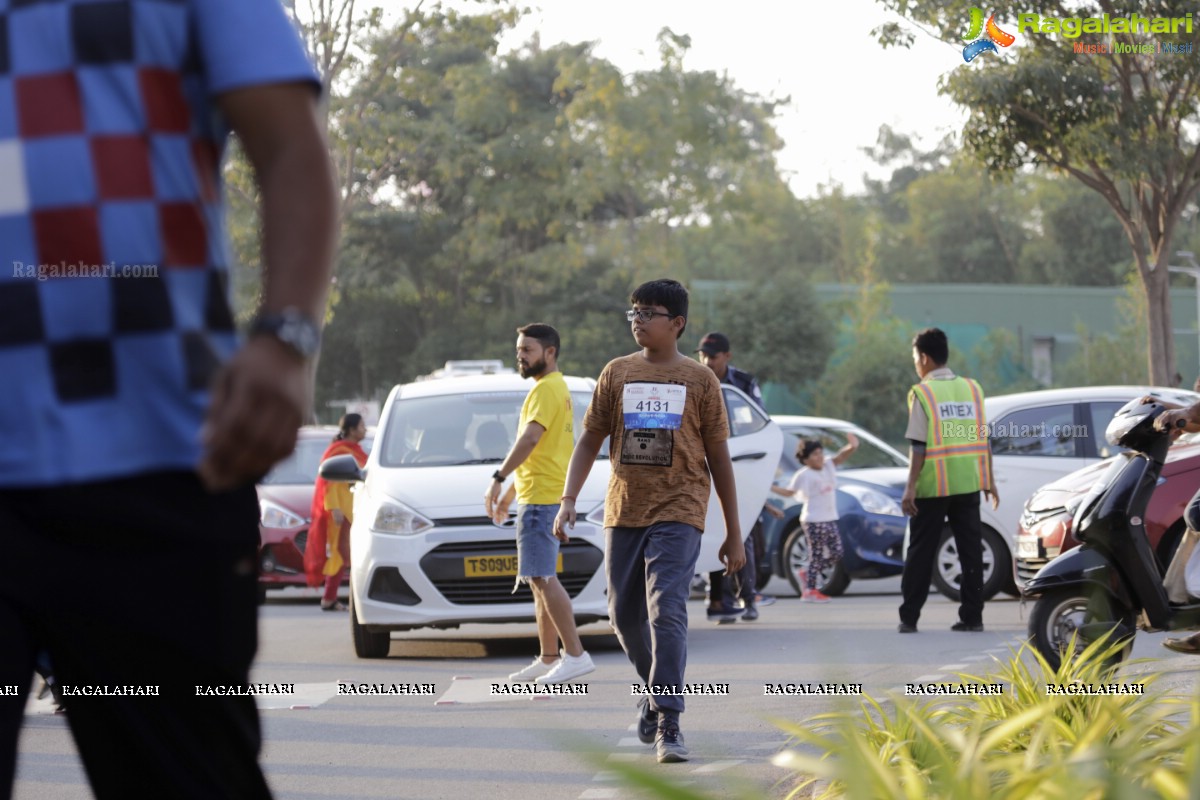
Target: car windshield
300, 468
451, 430
870, 453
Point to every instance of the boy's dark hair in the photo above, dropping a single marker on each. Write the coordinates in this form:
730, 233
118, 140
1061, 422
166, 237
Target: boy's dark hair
806, 447
664, 292
545, 335
932, 342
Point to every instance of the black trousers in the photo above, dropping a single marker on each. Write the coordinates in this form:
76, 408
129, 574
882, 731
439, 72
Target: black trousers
142, 582
924, 533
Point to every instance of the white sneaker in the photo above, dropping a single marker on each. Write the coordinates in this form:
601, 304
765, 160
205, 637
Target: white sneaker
535, 670
568, 668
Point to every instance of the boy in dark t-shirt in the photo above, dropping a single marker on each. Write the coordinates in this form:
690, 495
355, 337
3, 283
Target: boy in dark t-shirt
666, 419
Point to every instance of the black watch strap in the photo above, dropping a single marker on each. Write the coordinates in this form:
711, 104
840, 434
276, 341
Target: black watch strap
496, 476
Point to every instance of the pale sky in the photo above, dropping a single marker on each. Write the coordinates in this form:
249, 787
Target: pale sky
843, 86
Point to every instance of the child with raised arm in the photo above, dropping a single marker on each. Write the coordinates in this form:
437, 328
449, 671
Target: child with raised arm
815, 483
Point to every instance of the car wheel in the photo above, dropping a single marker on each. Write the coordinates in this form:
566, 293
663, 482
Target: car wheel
367, 644
947, 573
832, 581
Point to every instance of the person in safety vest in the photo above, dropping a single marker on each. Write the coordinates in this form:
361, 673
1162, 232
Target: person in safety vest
949, 464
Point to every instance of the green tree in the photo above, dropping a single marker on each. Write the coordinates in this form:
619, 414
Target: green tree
779, 329
1106, 357
1074, 238
1126, 125
871, 370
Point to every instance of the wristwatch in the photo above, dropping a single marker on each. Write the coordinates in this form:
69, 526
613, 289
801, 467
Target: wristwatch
497, 477
291, 327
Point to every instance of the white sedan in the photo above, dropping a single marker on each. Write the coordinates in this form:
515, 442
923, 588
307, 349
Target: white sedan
423, 552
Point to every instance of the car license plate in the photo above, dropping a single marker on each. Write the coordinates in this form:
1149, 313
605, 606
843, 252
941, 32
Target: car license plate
495, 566
1027, 548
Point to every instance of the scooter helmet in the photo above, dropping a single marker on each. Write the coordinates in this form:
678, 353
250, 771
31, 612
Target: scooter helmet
1133, 425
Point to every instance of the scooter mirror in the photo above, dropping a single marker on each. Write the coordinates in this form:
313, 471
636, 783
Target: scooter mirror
1132, 426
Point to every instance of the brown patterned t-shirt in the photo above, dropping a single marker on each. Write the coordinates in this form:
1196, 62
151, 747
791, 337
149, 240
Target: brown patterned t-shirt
659, 467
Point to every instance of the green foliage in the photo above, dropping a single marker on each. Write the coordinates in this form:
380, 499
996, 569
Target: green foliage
871, 369
1126, 126
779, 327
1026, 743
1110, 358
997, 364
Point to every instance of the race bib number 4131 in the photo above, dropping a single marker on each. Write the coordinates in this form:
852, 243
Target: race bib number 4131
653, 406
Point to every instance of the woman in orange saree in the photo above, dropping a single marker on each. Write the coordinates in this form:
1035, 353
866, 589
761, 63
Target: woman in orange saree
327, 551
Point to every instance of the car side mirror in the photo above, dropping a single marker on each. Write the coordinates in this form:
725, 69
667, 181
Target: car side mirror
341, 468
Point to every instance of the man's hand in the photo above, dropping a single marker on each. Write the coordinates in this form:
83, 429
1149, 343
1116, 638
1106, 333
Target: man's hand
565, 520
258, 403
1169, 420
852, 440
732, 554
774, 510
991, 493
908, 502
491, 497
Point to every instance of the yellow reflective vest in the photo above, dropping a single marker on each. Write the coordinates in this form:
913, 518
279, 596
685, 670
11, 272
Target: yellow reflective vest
956, 447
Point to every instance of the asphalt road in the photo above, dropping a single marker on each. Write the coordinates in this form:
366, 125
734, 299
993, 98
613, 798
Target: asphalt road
461, 741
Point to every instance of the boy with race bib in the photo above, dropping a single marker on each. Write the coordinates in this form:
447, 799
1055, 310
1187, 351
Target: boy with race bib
665, 417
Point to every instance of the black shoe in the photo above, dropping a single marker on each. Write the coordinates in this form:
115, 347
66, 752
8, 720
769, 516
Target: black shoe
966, 626
725, 613
647, 724
750, 615
669, 744
904, 627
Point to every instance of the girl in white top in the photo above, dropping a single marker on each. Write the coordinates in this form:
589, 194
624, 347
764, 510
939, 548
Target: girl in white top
815, 485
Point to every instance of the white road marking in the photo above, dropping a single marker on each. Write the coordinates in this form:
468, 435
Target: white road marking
719, 766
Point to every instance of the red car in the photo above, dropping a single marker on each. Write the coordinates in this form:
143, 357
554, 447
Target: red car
1045, 527
284, 501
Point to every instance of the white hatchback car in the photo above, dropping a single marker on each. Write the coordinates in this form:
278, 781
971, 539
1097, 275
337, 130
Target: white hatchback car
424, 554
1037, 437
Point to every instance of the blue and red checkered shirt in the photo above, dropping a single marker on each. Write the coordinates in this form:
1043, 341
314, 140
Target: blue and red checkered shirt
114, 264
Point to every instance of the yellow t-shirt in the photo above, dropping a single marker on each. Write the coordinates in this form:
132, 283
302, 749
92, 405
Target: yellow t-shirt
540, 479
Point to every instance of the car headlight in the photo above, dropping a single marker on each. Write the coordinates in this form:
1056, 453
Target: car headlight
395, 517
873, 501
596, 516
272, 515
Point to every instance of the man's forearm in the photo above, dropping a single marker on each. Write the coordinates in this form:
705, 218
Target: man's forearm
722, 475
916, 462
519, 452
299, 211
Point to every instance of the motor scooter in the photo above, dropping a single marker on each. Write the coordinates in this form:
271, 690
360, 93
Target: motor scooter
1112, 583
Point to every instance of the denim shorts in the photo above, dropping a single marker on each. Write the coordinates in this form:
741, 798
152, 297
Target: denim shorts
537, 549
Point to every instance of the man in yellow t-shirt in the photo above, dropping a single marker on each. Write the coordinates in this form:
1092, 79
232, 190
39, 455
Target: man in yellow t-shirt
539, 459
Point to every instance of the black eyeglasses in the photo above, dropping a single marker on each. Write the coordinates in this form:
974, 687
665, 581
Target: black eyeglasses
643, 315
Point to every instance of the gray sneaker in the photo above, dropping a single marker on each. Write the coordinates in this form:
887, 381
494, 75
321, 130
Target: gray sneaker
647, 724
669, 743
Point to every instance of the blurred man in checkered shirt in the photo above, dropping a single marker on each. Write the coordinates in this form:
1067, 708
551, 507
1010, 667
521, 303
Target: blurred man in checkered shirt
133, 427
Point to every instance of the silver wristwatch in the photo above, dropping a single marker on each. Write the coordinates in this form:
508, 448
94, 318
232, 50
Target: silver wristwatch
291, 327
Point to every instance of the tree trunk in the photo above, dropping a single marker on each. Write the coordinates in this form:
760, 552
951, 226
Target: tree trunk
1160, 351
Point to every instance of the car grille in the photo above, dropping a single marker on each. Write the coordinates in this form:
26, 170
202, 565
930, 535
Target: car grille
1031, 518
444, 567
1028, 567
